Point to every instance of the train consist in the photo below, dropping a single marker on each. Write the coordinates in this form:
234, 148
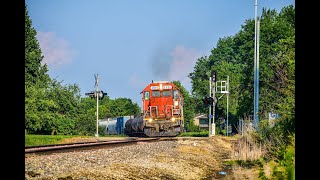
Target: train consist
162, 112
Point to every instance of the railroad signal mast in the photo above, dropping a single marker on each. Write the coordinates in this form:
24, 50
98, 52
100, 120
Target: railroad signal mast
210, 101
98, 94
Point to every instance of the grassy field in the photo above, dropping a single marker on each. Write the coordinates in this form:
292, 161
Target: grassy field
37, 140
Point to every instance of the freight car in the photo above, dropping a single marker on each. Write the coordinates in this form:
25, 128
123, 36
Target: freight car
162, 112
114, 125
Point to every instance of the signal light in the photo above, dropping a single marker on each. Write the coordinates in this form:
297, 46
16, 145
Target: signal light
214, 76
102, 94
94, 94
208, 101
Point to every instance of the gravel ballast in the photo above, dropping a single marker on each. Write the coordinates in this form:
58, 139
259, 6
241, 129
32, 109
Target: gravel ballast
186, 158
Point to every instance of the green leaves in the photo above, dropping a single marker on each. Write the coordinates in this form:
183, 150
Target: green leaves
188, 106
34, 71
49, 106
233, 57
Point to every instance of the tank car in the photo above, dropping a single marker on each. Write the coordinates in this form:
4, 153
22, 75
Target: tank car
162, 112
110, 125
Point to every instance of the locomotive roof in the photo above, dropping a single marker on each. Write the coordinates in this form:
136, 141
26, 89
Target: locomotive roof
161, 82
158, 82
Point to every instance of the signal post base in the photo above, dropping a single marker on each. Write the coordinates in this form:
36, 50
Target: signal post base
213, 130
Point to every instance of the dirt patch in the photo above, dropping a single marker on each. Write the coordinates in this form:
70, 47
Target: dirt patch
243, 173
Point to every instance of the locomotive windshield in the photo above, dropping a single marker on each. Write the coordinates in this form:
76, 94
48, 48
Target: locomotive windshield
166, 93
155, 93
146, 95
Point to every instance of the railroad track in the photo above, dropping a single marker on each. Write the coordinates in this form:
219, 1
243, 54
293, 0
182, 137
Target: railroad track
98, 144
81, 145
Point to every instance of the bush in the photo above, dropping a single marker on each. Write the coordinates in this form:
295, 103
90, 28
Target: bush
190, 127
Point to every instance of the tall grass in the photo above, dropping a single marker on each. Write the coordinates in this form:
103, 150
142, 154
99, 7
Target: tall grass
247, 147
269, 147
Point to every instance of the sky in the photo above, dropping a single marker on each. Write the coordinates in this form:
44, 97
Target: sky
129, 43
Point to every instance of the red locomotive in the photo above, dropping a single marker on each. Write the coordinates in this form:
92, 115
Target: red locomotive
162, 111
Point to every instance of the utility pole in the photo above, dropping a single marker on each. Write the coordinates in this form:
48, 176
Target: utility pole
97, 95
227, 105
209, 117
213, 94
256, 67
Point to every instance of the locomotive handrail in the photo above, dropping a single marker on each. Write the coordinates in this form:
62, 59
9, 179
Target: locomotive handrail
176, 110
156, 107
167, 108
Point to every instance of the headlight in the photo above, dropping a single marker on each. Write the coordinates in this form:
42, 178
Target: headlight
173, 119
176, 103
150, 120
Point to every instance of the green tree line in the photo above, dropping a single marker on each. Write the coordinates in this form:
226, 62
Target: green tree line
233, 56
54, 108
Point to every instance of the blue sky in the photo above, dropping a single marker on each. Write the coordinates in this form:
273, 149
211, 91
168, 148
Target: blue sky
131, 43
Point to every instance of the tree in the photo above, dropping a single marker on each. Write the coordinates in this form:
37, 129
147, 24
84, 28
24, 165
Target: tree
67, 99
124, 107
233, 57
188, 105
36, 82
51, 110
200, 83
34, 71
85, 123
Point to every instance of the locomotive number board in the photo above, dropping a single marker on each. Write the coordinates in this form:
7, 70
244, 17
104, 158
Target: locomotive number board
154, 87
157, 87
167, 87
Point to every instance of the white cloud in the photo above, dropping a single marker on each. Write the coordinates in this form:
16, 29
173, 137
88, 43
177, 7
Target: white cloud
183, 62
56, 50
136, 82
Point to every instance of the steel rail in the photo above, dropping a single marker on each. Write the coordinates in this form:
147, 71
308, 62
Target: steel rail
46, 148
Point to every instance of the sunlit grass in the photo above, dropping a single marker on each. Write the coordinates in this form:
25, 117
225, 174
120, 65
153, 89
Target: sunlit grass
195, 134
38, 140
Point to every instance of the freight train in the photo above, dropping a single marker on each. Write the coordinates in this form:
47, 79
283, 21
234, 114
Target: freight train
162, 112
